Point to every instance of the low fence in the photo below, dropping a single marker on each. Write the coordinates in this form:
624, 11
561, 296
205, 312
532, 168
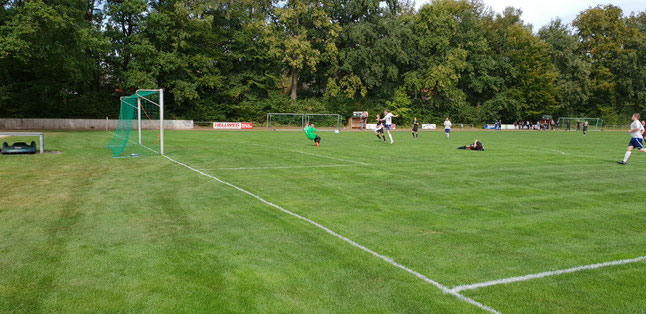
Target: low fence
82, 124
616, 127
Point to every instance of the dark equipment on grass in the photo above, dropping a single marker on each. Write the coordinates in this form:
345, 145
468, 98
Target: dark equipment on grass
19, 148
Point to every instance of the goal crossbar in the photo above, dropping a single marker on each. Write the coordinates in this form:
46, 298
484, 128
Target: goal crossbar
281, 120
594, 124
142, 115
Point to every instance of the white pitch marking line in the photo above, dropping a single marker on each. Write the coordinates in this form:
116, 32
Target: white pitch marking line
146, 147
334, 158
311, 154
546, 274
387, 259
281, 167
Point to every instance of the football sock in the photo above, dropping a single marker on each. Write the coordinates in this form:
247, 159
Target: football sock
391, 138
379, 137
626, 156
317, 144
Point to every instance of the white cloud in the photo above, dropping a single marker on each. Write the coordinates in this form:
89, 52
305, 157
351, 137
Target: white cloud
539, 13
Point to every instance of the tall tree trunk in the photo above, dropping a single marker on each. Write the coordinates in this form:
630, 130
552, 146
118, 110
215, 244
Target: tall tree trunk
294, 83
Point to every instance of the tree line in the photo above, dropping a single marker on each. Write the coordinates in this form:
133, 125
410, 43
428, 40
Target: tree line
237, 60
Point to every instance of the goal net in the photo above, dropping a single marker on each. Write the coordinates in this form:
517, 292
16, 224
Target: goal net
294, 121
594, 124
142, 112
324, 121
276, 121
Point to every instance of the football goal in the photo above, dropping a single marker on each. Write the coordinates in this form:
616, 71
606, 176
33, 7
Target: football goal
287, 121
142, 111
594, 124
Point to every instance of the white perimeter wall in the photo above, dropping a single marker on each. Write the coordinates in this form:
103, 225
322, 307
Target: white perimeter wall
85, 124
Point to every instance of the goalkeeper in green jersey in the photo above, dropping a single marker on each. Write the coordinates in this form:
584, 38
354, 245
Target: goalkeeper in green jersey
310, 132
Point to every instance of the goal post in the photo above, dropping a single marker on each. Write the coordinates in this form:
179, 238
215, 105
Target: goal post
285, 121
324, 121
594, 124
142, 111
294, 121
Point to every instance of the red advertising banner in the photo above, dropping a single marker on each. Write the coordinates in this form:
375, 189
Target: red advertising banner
232, 125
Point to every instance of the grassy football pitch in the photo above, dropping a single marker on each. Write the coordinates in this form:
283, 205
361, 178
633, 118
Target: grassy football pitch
83, 232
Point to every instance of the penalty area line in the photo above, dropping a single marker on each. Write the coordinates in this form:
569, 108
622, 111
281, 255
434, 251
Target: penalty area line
142, 145
328, 157
546, 274
281, 167
306, 153
387, 259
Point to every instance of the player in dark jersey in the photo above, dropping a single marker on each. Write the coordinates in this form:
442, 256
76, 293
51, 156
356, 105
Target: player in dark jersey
585, 127
414, 131
380, 129
477, 145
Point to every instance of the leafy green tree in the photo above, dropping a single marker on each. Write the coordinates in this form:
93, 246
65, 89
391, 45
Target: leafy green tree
50, 56
177, 49
125, 19
573, 81
373, 47
302, 35
253, 75
523, 64
450, 71
609, 42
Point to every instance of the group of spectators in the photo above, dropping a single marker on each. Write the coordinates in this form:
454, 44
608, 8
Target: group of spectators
542, 125
529, 125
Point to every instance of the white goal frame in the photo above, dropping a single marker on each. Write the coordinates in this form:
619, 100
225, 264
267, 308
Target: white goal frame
598, 126
160, 104
304, 117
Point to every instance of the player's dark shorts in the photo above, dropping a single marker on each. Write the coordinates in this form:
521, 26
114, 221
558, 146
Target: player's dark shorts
447, 130
387, 126
414, 128
379, 130
317, 139
636, 142
585, 128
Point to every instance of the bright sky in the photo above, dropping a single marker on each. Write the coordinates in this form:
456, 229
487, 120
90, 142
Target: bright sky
541, 12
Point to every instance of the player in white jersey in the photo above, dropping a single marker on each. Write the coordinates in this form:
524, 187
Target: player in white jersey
447, 128
388, 121
637, 139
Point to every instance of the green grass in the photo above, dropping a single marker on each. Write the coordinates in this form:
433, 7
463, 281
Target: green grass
83, 232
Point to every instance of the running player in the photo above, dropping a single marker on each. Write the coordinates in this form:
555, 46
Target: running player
585, 127
310, 132
447, 128
414, 131
637, 139
380, 129
388, 121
